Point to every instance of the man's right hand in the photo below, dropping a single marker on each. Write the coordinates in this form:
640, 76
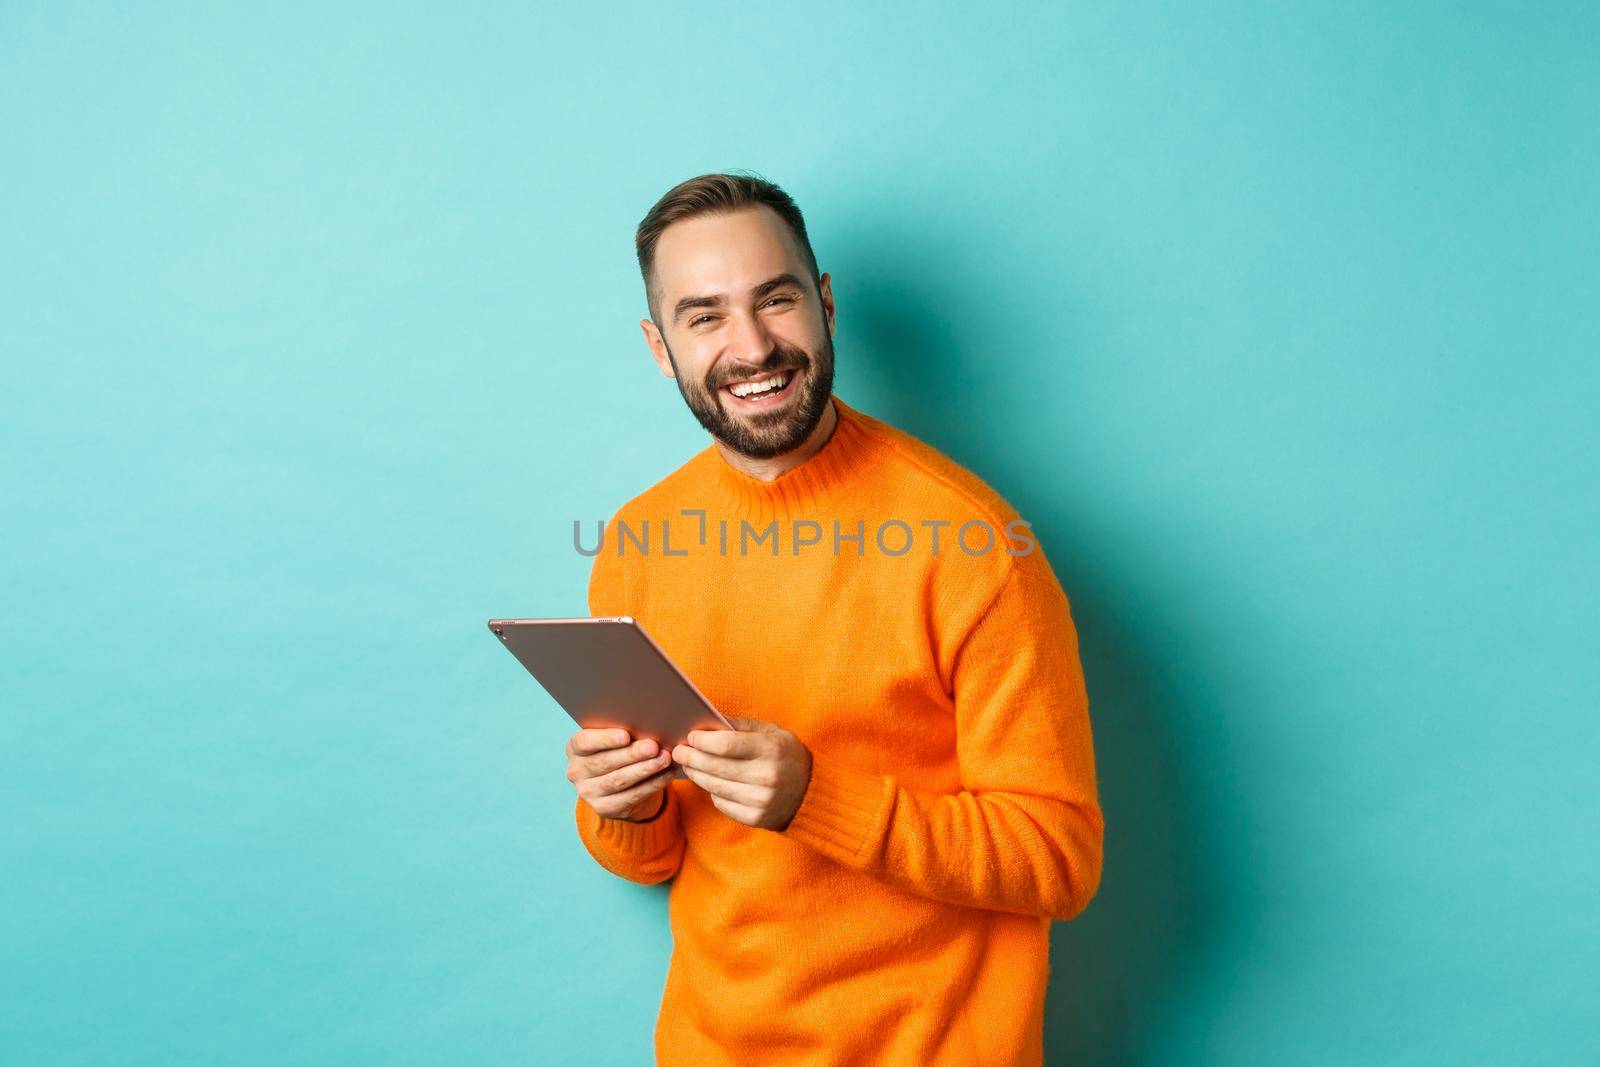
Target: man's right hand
617, 779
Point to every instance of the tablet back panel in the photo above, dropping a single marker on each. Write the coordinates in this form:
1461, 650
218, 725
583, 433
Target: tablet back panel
609, 673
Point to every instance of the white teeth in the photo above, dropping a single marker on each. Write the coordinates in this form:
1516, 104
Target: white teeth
744, 389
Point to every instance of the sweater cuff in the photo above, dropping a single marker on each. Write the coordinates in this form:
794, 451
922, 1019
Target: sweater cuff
633, 840
843, 813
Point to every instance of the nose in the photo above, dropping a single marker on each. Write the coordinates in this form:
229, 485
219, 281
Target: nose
750, 341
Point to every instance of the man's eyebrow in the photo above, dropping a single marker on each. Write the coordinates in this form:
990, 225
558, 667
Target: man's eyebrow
689, 303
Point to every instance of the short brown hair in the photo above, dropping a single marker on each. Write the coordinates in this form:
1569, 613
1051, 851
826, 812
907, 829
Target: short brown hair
714, 194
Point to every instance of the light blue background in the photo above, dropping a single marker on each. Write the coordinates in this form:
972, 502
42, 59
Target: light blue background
320, 328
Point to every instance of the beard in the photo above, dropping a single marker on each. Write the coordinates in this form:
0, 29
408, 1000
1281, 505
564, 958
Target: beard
763, 434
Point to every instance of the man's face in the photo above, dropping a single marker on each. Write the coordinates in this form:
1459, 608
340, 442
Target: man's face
736, 307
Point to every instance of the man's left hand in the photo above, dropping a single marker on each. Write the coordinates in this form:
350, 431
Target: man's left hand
756, 773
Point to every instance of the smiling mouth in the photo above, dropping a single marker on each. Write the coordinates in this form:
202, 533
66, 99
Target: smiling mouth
763, 392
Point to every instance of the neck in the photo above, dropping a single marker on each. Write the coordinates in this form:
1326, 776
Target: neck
767, 469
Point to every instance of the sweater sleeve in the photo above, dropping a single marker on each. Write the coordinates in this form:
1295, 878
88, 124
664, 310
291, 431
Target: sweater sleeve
650, 851
645, 852
1024, 833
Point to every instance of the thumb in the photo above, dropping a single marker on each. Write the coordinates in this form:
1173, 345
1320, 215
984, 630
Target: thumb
749, 725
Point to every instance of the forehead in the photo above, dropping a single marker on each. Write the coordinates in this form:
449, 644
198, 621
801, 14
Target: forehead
725, 253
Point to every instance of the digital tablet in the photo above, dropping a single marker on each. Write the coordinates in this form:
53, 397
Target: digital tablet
609, 673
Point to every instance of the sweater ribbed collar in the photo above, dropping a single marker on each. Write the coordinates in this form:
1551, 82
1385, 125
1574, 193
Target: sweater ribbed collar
805, 491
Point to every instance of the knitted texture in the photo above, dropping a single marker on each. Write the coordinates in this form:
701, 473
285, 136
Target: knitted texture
903, 915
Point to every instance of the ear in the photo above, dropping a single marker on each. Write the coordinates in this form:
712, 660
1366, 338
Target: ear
825, 291
658, 347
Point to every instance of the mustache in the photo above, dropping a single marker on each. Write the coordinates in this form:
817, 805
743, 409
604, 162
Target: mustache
798, 361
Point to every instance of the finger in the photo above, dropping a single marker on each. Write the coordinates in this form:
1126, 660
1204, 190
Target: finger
736, 744
581, 767
738, 792
589, 742
742, 813
611, 759
737, 770
629, 797
623, 778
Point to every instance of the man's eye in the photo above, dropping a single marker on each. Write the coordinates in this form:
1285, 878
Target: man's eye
698, 319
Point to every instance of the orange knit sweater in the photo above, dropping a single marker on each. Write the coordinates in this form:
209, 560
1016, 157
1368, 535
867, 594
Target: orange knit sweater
902, 917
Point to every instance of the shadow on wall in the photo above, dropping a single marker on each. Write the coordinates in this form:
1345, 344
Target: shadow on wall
923, 356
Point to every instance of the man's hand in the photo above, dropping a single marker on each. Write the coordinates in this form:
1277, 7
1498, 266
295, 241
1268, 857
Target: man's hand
756, 774
616, 779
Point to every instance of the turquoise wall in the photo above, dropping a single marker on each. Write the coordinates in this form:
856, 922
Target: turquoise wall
320, 328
